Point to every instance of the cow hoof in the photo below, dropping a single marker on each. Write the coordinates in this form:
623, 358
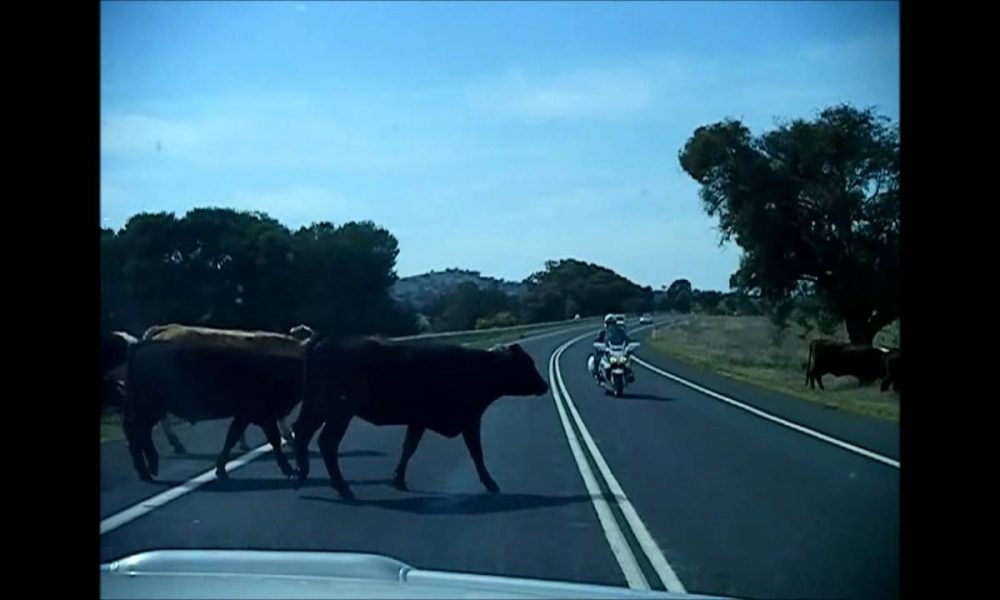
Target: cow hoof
289, 472
154, 470
491, 486
220, 472
346, 494
400, 484
145, 477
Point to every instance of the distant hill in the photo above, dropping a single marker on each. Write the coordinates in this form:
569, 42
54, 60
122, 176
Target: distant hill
420, 290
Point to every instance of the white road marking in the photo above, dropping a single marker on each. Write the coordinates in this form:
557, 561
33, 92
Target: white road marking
137, 510
649, 546
616, 539
766, 415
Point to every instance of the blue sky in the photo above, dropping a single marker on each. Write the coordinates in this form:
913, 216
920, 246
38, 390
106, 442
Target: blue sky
491, 136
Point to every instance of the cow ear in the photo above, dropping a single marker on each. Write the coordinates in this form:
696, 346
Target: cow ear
517, 349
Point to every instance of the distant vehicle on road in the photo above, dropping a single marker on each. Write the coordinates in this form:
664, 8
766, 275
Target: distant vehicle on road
644, 319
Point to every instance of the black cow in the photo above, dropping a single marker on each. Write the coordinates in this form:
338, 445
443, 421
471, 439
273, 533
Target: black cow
444, 388
893, 370
867, 363
200, 383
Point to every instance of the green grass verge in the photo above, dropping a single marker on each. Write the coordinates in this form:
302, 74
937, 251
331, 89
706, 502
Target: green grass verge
750, 349
111, 426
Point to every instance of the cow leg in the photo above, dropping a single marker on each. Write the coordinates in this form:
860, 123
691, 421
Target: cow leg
819, 380
473, 443
236, 429
329, 444
274, 438
149, 450
286, 431
413, 435
135, 448
171, 436
305, 428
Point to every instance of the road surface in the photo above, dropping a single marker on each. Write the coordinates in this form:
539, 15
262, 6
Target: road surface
742, 493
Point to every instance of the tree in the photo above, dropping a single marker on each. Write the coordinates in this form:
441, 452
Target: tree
678, 296
706, 301
464, 306
814, 205
568, 287
226, 268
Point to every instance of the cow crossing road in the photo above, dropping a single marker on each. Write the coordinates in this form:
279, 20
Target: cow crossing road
697, 494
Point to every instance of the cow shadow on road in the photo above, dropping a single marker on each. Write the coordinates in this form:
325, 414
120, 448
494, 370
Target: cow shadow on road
211, 456
461, 504
267, 484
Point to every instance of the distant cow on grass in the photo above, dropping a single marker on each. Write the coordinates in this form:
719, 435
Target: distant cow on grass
444, 388
263, 341
203, 382
867, 363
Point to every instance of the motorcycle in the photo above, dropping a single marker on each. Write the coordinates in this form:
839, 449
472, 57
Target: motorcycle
613, 372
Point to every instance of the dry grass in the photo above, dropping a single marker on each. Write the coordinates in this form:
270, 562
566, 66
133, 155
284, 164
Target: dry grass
748, 348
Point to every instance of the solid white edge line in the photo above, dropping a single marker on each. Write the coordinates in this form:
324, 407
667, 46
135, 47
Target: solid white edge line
649, 546
148, 505
615, 538
766, 415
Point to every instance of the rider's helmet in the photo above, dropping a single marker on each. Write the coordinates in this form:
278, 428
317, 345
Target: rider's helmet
609, 319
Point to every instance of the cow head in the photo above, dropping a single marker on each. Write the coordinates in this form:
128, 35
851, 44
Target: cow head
518, 374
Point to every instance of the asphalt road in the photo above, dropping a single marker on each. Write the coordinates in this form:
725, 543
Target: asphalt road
703, 496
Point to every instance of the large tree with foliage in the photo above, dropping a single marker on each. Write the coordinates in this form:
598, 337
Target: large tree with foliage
814, 204
569, 287
466, 304
225, 268
678, 296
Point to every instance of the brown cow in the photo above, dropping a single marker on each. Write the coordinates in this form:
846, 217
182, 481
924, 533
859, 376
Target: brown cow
867, 363
271, 343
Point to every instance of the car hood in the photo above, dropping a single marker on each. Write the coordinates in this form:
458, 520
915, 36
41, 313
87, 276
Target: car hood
290, 574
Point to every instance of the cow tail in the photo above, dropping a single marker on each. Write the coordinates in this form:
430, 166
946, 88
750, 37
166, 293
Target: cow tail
809, 361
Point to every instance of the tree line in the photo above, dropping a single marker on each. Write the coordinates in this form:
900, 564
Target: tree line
813, 204
219, 267
225, 268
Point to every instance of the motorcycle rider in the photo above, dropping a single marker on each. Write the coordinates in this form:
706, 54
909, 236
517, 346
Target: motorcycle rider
613, 333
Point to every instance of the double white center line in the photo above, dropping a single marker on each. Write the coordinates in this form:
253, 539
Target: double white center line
616, 538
